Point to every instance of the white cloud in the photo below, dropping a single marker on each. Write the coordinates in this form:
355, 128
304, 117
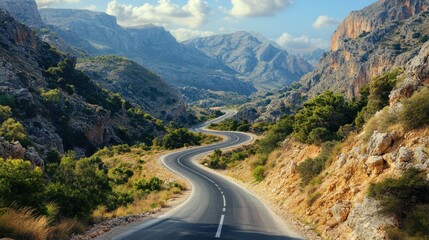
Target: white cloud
325, 21
91, 8
254, 8
301, 43
193, 14
183, 34
47, 3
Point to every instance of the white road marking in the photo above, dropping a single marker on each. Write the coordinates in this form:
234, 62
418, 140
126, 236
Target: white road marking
219, 229
224, 209
224, 201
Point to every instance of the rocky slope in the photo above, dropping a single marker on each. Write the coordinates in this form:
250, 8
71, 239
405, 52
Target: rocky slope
336, 204
60, 107
254, 58
137, 85
155, 48
25, 11
369, 42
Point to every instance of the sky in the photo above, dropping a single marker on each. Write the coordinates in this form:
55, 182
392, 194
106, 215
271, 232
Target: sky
298, 25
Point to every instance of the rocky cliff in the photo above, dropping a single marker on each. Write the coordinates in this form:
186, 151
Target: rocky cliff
60, 107
155, 48
336, 203
23, 10
137, 85
369, 42
254, 58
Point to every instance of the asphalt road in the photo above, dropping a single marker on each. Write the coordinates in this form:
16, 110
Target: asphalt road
217, 208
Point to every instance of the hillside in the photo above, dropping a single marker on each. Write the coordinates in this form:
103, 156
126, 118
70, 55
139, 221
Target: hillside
256, 59
137, 85
382, 36
371, 183
59, 107
395, 33
153, 47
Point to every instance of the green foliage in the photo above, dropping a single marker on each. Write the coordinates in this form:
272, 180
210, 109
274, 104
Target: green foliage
21, 184
312, 167
415, 113
258, 173
231, 125
7, 100
416, 35
53, 95
12, 130
178, 138
154, 184
120, 174
321, 118
120, 149
275, 135
221, 160
378, 97
5, 113
407, 198
78, 187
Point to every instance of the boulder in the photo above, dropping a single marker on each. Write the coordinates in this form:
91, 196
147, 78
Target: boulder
340, 211
375, 163
366, 222
420, 154
405, 155
32, 156
379, 143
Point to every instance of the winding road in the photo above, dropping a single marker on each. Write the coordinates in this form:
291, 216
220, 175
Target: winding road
217, 207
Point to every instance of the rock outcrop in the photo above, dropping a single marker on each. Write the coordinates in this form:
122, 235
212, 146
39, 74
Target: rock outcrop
23, 10
385, 35
153, 47
256, 59
65, 113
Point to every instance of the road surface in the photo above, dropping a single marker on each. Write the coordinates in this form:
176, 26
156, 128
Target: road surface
217, 208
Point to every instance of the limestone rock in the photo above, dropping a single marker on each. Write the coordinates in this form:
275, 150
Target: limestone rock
405, 155
11, 150
421, 155
32, 155
379, 143
366, 222
376, 163
340, 211
292, 168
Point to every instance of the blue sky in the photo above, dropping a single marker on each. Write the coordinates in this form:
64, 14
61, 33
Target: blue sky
295, 24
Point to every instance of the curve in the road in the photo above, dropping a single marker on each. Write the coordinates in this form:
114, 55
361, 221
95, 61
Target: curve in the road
217, 208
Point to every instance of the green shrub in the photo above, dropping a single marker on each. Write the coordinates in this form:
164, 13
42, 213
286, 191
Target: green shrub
21, 184
154, 184
120, 174
12, 130
53, 95
177, 138
258, 173
282, 129
5, 113
415, 113
121, 149
323, 114
407, 199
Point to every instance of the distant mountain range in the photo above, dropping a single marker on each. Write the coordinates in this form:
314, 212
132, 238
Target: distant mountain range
255, 58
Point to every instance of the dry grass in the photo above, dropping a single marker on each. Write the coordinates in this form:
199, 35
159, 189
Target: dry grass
65, 228
385, 120
24, 224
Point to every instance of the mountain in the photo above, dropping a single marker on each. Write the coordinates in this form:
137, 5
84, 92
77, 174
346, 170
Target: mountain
58, 106
137, 85
312, 56
181, 65
23, 10
382, 36
256, 59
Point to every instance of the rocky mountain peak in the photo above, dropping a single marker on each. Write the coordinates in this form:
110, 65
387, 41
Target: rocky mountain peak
374, 16
23, 10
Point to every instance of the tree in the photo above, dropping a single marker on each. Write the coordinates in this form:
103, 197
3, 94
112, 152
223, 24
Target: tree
323, 114
12, 130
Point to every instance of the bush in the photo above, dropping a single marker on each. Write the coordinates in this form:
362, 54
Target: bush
177, 138
407, 199
21, 184
275, 135
323, 114
154, 184
12, 130
415, 113
53, 96
5, 113
258, 173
